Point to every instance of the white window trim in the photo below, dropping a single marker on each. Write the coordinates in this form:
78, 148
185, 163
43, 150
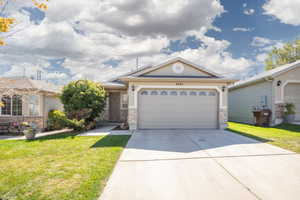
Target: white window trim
106, 107
121, 101
140, 87
11, 108
39, 108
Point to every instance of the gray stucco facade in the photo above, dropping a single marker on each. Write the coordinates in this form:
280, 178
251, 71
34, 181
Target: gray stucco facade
269, 89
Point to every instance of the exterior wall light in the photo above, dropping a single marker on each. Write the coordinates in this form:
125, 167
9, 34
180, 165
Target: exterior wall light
223, 89
132, 88
279, 83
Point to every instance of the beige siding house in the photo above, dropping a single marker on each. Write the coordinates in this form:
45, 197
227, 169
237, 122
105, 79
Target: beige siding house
176, 94
270, 89
28, 100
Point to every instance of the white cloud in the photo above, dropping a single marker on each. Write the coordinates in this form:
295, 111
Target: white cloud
249, 11
286, 11
261, 57
55, 75
264, 46
260, 41
242, 29
88, 33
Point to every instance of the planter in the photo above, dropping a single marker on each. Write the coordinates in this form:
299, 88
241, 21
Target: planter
29, 134
289, 118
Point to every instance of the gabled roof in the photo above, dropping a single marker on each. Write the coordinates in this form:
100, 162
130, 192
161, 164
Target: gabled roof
270, 74
138, 74
177, 59
23, 83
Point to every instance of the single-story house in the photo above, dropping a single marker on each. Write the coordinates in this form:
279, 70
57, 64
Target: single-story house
270, 89
27, 100
176, 94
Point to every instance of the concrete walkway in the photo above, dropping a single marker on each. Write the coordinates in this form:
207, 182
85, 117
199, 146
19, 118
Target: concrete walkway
10, 137
105, 130
210, 165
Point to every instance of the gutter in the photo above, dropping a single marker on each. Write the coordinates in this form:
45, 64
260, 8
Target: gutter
145, 79
268, 78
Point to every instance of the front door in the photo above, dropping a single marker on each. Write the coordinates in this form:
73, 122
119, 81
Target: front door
114, 106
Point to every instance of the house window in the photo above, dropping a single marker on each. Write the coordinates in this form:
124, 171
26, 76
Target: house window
17, 105
33, 105
124, 101
202, 93
106, 103
183, 93
144, 93
173, 93
12, 105
164, 93
154, 92
6, 109
193, 93
212, 94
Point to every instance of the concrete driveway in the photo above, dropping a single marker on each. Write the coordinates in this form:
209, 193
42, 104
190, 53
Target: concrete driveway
208, 165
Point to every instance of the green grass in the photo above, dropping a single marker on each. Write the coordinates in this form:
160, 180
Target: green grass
58, 167
286, 136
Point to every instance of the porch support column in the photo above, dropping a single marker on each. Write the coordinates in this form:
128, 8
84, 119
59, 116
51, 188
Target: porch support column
132, 107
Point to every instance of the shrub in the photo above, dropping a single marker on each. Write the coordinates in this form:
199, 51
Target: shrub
83, 100
289, 109
75, 124
58, 120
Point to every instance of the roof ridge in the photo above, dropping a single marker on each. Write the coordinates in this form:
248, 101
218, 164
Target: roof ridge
168, 61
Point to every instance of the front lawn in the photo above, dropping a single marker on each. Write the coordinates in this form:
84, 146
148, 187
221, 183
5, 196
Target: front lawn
286, 136
58, 167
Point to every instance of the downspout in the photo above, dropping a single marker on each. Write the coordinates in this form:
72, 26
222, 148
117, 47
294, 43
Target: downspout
271, 79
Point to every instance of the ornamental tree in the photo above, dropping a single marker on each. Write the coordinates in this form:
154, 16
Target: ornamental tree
83, 100
290, 52
7, 23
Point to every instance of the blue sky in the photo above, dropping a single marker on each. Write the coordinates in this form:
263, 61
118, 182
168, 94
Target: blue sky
100, 40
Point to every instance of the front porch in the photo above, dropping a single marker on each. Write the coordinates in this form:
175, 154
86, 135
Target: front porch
116, 109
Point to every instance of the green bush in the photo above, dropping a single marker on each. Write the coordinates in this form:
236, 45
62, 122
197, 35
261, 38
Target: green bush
289, 109
75, 124
83, 100
58, 120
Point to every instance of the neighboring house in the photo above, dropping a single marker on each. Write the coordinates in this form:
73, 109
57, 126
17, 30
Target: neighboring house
27, 100
270, 89
176, 94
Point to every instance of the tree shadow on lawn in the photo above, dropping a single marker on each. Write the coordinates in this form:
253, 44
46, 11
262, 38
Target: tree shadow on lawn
112, 141
250, 135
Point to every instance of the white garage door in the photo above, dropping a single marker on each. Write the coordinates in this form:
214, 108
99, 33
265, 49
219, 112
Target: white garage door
292, 94
177, 109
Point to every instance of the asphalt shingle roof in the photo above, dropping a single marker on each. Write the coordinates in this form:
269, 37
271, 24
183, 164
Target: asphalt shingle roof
266, 74
22, 83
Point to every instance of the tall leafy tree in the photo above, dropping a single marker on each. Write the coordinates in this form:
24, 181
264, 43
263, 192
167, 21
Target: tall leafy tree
83, 100
290, 52
7, 23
